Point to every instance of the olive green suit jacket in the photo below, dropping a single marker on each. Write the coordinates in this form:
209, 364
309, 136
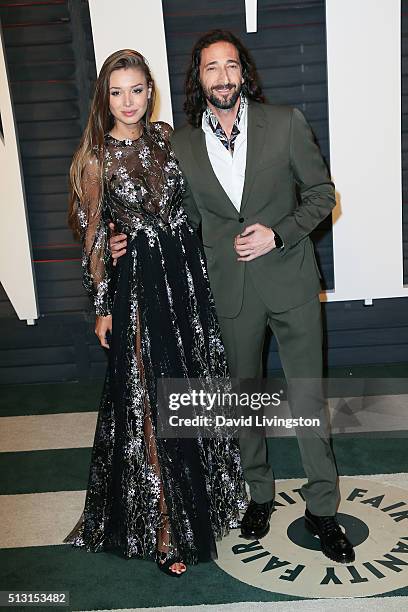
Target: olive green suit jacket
283, 160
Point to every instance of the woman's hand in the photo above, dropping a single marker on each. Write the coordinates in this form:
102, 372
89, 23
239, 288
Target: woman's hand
117, 244
102, 326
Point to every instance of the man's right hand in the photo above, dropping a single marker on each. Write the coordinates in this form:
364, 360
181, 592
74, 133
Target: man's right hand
117, 244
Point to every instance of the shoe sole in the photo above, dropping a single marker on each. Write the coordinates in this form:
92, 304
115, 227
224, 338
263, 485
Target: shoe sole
310, 527
256, 537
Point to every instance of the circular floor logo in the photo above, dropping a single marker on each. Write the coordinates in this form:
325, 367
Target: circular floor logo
288, 559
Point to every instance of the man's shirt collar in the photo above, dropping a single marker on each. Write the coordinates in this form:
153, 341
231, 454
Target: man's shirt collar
209, 119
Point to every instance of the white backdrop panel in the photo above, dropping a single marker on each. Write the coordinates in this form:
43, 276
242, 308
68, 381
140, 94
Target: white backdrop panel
364, 91
16, 268
126, 24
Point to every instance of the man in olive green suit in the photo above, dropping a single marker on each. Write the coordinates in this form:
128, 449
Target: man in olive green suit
244, 163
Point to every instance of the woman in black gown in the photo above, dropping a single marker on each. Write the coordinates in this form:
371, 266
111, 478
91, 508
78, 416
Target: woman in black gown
163, 499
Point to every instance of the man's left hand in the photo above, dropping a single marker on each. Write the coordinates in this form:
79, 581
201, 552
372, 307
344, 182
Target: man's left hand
255, 240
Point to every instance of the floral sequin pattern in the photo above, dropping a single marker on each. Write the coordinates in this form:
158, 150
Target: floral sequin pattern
146, 493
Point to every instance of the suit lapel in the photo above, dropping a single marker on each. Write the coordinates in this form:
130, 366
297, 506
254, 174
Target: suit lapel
255, 144
205, 168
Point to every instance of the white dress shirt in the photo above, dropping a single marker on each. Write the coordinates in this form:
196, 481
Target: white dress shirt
229, 169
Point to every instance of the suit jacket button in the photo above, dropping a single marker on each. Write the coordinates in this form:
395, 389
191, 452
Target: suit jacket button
241, 219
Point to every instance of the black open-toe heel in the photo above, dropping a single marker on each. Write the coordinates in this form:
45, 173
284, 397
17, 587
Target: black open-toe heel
164, 562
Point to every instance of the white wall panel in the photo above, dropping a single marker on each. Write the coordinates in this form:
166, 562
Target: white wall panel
126, 24
364, 91
16, 268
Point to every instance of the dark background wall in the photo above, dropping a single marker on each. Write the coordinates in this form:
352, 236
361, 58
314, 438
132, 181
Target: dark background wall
51, 63
49, 51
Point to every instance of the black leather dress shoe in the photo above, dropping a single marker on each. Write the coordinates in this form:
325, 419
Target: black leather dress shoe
255, 522
333, 542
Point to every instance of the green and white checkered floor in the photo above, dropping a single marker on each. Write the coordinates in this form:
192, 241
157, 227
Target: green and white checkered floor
46, 434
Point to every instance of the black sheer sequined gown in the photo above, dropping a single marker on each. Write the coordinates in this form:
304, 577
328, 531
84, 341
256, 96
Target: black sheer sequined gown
147, 494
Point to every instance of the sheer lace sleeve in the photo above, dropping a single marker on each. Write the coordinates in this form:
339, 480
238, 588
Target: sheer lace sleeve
96, 259
165, 129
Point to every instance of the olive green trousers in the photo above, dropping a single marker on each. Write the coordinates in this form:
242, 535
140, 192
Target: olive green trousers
299, 337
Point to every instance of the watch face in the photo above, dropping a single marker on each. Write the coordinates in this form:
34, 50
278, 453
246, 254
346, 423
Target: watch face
278, 241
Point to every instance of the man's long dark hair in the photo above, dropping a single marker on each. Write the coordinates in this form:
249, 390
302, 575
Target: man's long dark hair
196, 103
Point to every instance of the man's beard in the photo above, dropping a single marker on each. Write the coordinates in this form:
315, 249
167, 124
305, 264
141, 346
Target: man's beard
223, 103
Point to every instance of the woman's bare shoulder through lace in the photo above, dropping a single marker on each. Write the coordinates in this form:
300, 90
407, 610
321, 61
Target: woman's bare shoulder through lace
164, 128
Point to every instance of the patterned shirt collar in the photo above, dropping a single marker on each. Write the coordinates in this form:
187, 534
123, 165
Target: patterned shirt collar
211, 120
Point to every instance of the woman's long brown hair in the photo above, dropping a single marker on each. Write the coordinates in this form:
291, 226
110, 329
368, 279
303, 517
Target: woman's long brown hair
100, 122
